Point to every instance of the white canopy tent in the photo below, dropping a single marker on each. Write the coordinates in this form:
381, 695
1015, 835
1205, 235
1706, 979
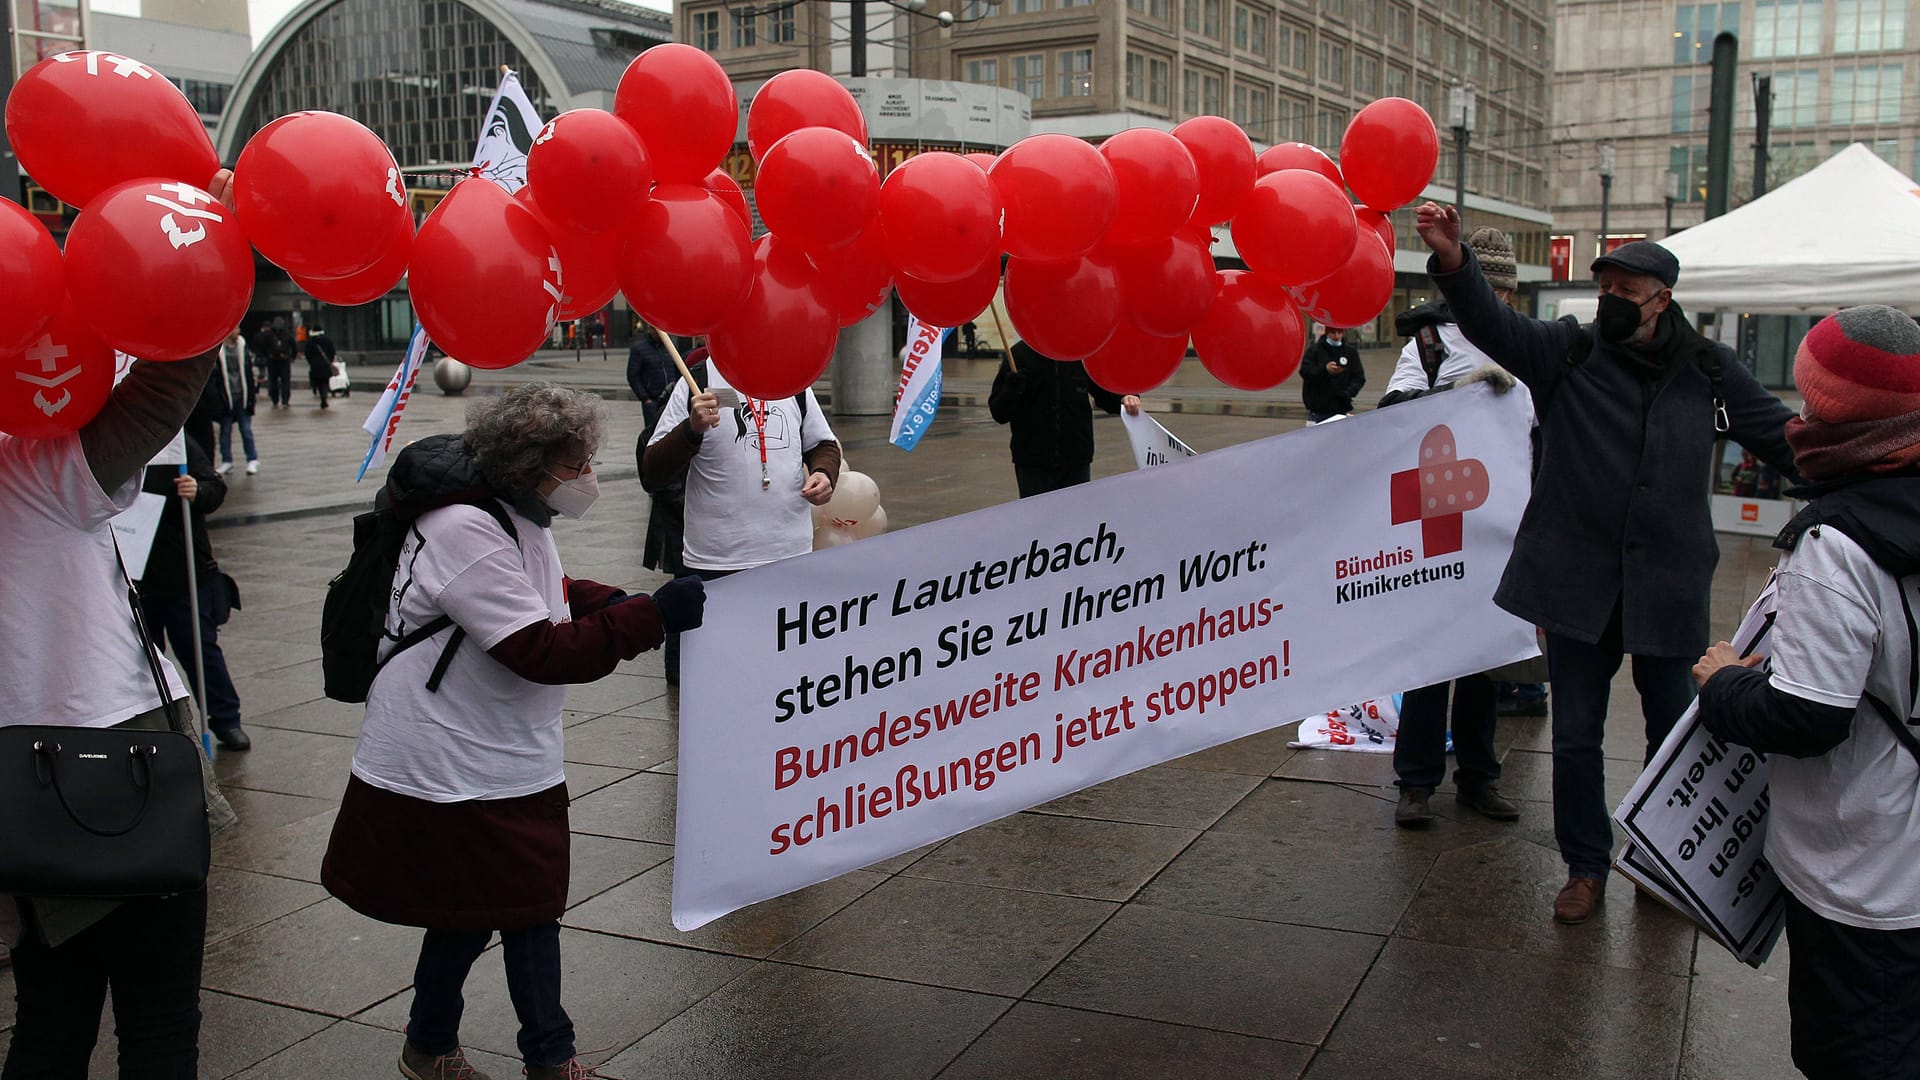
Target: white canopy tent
1846, 233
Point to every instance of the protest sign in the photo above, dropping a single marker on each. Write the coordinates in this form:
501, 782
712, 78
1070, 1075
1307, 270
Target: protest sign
859, 702
134, 529
1696, 820
1152, 443
1369, 728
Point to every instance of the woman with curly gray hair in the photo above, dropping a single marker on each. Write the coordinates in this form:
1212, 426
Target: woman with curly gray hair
455, 816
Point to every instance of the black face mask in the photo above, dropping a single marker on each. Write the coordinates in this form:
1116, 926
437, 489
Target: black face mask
1617, 318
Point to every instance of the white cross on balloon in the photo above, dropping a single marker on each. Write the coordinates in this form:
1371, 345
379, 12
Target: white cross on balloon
123, 66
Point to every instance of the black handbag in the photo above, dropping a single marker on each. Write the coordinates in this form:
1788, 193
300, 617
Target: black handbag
108, 813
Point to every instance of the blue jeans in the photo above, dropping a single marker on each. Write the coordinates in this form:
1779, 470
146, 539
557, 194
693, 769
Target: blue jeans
532, 957
1420, 750
244, 422
1582, 675
171, 620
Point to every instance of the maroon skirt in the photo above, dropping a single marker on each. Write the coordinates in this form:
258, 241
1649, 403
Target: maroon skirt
484, 864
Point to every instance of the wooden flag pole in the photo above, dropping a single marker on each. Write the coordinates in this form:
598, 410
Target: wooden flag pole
692, 387
1005, 349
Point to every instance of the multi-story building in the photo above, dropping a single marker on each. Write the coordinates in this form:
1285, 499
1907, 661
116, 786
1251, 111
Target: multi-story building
1633, 75
1292, 70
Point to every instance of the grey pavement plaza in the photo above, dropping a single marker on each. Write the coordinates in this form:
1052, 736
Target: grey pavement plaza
1249, 911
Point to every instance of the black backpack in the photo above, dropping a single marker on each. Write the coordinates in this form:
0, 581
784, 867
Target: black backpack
353, 622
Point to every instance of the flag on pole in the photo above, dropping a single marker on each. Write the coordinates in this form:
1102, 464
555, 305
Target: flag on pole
506, 135
919, 395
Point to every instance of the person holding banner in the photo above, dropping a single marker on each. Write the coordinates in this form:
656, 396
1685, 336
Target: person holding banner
1048, 406
455, 815
1836, 711
72, 656
1616, 551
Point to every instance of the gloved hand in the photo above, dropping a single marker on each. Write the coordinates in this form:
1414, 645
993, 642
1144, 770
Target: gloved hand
682, 603
1493, 375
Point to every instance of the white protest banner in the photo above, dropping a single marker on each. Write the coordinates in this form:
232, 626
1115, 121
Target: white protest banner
1152, 443
848, 705
134, 529
1697, 819
384, 421
918, 396
1369, 727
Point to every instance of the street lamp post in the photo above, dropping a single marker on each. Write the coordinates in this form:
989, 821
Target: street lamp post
1605, 170
1672, 193
1460, 110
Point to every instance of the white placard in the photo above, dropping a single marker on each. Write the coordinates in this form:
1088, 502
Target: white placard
135, 528
1696, 820
852, 704
1152, 443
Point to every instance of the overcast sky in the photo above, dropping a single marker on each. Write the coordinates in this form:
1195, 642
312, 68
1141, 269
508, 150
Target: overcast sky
264, 15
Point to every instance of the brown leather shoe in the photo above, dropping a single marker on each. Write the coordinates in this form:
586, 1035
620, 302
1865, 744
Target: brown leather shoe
1414, 809
1486, 798
1578, 900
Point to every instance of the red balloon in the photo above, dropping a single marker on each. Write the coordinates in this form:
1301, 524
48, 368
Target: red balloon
982, 159
1355, 293
685, 262
585, 163
83, 122
1389, 152
589, 265
320, 220
32, 277
801, 98
1296, 227
720, 183
1167, 286
1380, 223
58, 382
1059, 195
1252, 337
1134, 362
817, 188
940, 217
682, 105
950, 303
1065, 310
486, 281
368, 285
1224, 157
1156, 183
781, 338
159, 270
855, 281
1298, 155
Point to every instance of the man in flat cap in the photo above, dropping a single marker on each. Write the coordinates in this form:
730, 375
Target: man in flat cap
1616, 551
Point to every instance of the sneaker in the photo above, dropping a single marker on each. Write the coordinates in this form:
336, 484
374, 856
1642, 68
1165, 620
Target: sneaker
573, 1069
223, 468
1414, 808
1486, 798
1578, 899
253, 467
417, 1065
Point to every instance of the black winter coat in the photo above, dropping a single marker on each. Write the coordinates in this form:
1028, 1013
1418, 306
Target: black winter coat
166, 572
1324, 393
1046, 404
1619, 511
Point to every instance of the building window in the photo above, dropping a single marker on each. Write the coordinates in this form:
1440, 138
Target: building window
780, 29
1204, 17
1366, 75
1869, 25
1796, 100
1330, 125
706, 30
1333, 62
1397, 81
1450, 50
1786, 28
1076, 3
1423, 38
1334, 8
985, 71
1366, 16
1694, 27
1200, 92
743, 28
1866, 95
1029, 74
1026, 7
1250, 109
1076, 72
1683, 113
1152, 9
1250, 31
208, 98
1147, 78
1290, 120
1476, 63
975, 10
1296, 49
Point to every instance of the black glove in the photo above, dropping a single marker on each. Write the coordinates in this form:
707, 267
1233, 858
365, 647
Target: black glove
682, 603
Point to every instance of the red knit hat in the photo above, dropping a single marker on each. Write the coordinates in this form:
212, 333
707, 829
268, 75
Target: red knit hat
1862, 363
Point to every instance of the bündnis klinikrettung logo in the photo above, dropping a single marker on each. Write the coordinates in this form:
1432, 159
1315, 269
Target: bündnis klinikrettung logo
1438, 493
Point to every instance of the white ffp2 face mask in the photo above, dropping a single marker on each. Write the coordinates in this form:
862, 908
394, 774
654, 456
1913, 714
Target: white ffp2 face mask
573, 498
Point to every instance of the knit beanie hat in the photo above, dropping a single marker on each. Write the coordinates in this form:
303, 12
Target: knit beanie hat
1862, 363
1494, 249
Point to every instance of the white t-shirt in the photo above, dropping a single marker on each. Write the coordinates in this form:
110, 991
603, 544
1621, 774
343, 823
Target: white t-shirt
1844, 833
1461, 360
69, 653
732, 522
487, 733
